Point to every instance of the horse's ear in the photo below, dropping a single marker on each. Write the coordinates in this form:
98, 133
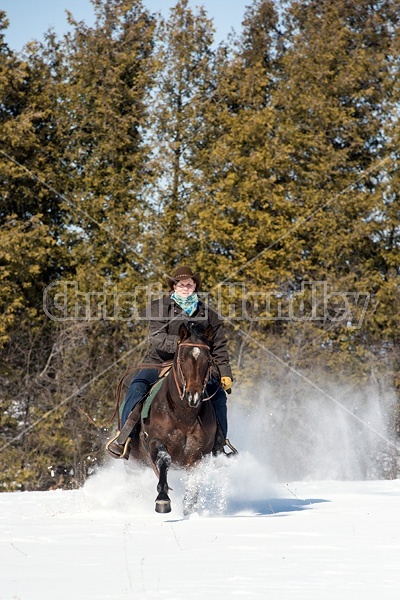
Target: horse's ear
183, 332
209, 332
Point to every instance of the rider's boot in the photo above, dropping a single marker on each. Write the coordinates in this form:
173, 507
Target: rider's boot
220, 442
119, 446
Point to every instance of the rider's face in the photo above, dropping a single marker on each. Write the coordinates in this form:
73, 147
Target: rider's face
185, 287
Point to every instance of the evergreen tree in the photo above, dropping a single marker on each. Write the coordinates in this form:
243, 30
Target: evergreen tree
306, 178
180, 128
334, 95
107, 80
31, 221
85, 99
236, 218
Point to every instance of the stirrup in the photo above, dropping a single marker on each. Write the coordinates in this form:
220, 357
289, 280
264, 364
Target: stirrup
231, 447
125, 452
220, 449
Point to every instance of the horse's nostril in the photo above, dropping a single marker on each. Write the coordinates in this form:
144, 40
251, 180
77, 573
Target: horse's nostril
193, 399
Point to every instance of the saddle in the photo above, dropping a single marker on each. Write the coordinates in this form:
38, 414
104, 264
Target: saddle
149, 397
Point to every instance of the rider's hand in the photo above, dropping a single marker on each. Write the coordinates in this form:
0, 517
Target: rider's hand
226, 383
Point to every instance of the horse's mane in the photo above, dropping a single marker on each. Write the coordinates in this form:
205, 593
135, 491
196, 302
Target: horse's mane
197, 332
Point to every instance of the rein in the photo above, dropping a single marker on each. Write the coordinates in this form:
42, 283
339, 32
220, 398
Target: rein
178, 372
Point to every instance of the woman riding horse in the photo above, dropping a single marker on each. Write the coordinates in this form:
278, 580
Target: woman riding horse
166, 316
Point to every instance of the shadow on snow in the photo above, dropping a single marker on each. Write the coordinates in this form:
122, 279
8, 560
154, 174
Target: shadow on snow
271, 506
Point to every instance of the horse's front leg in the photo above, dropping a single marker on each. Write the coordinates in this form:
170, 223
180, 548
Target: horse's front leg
162, 460
191, 496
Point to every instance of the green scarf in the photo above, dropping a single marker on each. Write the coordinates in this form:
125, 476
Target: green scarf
188, 304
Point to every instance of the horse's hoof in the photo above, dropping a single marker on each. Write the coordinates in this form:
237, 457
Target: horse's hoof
163, 506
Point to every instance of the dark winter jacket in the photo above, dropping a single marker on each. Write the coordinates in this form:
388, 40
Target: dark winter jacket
165, 319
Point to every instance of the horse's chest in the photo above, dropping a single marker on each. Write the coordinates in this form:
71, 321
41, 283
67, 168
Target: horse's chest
184, 446
176, 438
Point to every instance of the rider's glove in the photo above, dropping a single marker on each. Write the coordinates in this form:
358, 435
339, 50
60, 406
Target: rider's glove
226, 383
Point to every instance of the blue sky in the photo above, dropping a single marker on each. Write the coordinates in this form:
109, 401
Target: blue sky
30, 19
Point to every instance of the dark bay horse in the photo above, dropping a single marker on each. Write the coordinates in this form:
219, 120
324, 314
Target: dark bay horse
181, 426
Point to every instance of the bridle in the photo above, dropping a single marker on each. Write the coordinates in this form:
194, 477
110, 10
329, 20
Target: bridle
179, 376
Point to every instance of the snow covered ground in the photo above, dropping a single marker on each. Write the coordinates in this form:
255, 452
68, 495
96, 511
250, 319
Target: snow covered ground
301, 540
257, 534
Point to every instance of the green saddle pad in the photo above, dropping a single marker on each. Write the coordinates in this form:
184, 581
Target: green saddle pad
149, 399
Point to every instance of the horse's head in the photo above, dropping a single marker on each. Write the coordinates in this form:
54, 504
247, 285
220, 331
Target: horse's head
193, 362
